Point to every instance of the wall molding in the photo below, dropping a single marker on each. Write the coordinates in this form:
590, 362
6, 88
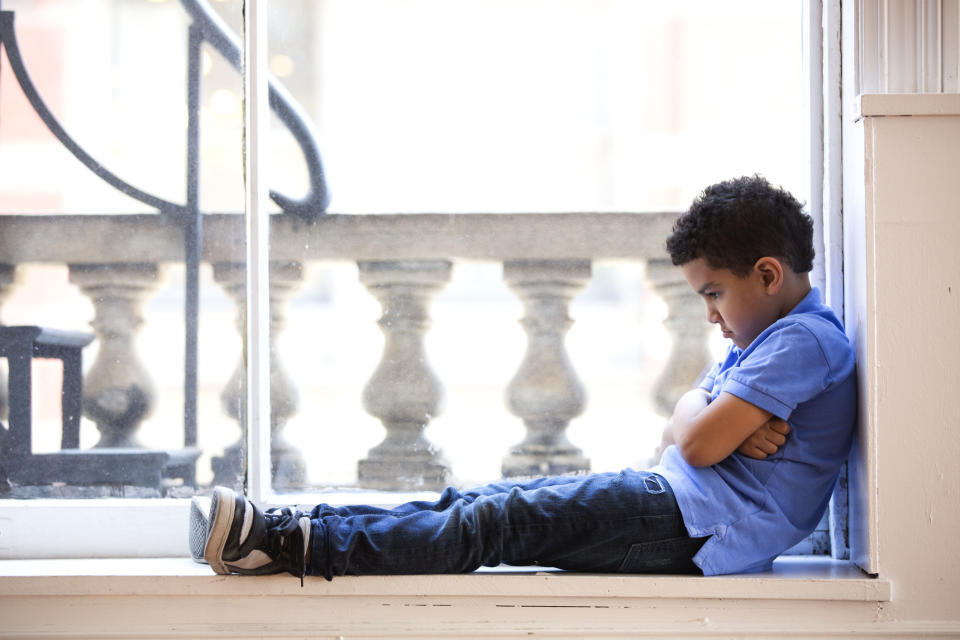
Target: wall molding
911, 104
908, 46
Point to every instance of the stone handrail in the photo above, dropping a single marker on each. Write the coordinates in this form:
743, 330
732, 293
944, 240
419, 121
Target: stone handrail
403, 261
74, 239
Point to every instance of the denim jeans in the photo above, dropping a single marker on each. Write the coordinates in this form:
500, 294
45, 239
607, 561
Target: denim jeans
624, 522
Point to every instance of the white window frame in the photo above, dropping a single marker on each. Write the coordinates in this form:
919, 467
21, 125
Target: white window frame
157, 528
257, 310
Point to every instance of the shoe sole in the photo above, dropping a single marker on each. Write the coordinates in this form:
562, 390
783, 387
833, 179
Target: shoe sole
221, 520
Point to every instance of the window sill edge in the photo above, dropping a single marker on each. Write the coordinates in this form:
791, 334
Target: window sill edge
793, 578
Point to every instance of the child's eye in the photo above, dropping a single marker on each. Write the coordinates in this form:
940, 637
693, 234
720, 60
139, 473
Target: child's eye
713, 295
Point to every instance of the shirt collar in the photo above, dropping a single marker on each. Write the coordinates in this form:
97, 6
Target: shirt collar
810, 303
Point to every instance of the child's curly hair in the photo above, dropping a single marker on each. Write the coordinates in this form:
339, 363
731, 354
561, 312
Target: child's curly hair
734, 223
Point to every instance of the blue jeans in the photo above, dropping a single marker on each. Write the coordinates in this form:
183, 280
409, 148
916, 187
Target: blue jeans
624, 522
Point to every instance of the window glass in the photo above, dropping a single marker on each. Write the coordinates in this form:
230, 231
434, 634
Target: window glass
414, 106
542, 105
538, 106
103, 243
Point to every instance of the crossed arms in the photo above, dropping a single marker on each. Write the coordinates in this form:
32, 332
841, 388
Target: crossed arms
707, 432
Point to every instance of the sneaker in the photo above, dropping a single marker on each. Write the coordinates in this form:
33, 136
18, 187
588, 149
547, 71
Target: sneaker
242, 539
199, 508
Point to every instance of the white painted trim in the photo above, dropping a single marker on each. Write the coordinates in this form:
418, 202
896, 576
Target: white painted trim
793, 578
822, 66
175, 598
930, 36
257, 310
951, 45
832, 156
93, 528
479, 620
862, 18
868, 377
908, 104
908, 46
858, 34
813, 72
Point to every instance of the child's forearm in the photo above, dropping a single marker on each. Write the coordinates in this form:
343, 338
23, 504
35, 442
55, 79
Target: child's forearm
703, 440
691, 403
688, 407
707, 431
666, 438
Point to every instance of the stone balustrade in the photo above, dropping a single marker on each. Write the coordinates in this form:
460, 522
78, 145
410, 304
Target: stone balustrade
287, 464
403, 260
545, 391
118, 393
404, 392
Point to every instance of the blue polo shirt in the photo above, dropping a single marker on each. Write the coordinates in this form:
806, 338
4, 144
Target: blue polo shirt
800, 369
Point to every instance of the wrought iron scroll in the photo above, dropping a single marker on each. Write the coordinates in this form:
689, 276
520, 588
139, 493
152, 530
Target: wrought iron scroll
218, 34
9, 40
212, 29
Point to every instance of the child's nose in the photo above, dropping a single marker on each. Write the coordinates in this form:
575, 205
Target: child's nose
713, 315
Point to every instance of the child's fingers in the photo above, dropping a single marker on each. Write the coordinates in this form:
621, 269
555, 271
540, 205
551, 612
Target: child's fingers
753, 452
766, 440
768, 447
780, 426
776, 438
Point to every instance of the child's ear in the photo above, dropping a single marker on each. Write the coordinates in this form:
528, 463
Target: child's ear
771, 274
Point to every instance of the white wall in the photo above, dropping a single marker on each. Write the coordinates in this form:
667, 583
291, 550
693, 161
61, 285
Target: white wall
901, 164
909, 339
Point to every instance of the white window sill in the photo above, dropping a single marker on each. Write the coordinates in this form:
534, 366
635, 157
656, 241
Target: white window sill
792, 578
176, 598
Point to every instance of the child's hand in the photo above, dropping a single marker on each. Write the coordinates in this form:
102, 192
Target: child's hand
766, 440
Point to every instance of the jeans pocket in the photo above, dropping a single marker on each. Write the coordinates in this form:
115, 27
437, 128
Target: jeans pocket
671, 555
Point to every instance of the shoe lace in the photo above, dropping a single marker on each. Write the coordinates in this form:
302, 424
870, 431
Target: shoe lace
284, 540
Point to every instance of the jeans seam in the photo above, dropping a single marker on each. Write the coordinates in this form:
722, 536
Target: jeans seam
551, 525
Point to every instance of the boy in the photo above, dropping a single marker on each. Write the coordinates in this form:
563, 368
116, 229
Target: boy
749, 461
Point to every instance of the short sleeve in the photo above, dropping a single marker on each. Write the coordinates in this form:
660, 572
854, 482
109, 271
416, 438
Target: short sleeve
785, 368
715, 373
711, 377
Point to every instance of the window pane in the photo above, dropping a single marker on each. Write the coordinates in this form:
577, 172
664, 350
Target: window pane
400, 338
106, 249
416, 106
542, 105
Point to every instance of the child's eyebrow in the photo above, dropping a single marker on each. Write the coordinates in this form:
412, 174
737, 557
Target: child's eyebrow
702, 290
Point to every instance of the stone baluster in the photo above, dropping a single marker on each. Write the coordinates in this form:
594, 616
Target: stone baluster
404, 393
688, 329
287, 464
118, 393
546, 391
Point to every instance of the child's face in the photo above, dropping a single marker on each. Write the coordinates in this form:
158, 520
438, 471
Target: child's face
741, 306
